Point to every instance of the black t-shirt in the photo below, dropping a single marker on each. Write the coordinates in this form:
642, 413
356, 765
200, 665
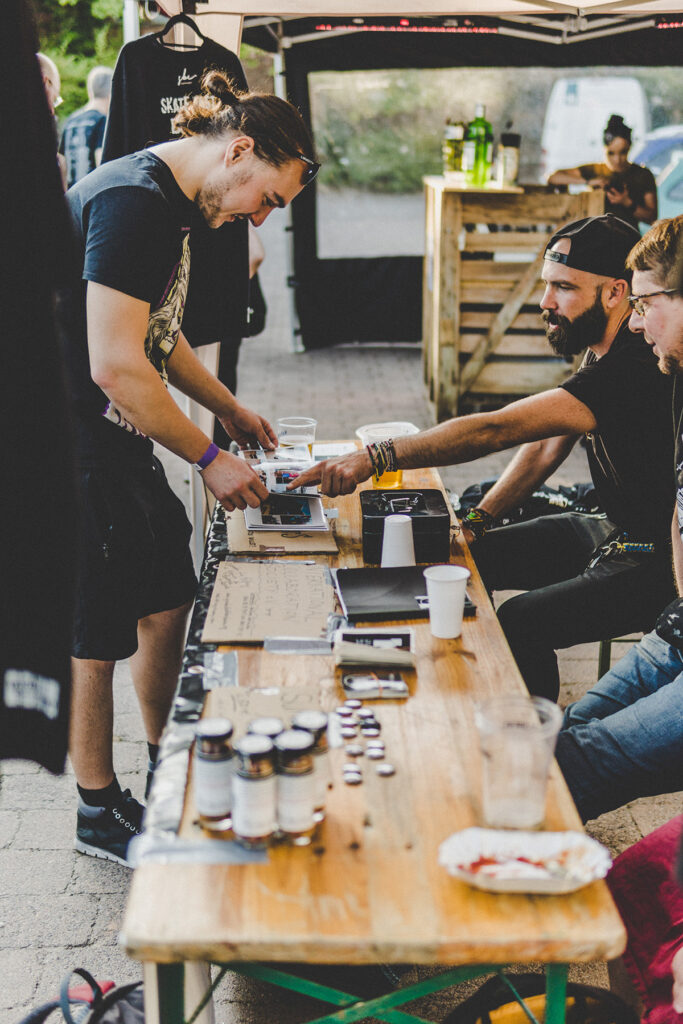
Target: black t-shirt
637, 179
631, 452
82, 136
132, 221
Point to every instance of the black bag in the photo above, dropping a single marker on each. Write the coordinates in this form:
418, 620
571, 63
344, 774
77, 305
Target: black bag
585, 1004
121, 1005
545, 501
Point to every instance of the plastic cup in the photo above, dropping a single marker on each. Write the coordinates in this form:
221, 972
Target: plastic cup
446, 593
372, 433
296, 431
397, 541
517, 736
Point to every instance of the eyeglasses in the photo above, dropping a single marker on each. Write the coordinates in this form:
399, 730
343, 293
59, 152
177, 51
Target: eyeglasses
636, 301
312, 168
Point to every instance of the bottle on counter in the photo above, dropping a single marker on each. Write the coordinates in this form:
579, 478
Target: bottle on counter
315, 722
508, 157
254, 791
296, 785
452, 148
478, 149
212, 770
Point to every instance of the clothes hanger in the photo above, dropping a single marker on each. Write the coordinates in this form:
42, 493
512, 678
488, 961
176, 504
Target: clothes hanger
179, 19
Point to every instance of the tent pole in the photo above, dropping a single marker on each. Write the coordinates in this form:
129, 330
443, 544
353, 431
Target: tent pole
281, 91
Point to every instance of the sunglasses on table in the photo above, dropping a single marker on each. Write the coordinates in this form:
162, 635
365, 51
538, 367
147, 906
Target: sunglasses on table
311, 170
636, 301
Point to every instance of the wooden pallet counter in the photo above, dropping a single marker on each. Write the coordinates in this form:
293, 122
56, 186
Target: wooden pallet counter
483, 338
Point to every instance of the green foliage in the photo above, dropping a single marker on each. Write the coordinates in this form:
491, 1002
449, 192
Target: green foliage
78, 34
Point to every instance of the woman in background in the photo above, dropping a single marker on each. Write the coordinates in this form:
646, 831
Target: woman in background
630, 190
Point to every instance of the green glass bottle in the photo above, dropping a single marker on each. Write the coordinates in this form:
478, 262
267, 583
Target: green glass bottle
478, 149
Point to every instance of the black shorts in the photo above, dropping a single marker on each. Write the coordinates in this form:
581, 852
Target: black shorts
134, 556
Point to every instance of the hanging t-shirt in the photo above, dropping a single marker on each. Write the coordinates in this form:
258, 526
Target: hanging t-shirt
638, 180
82, 136
132, 222
630, 454
150, 84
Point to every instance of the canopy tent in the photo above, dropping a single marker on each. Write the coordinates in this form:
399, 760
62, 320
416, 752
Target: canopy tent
379, 299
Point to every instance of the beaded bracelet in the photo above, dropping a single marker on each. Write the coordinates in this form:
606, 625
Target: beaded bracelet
383, 457
479, 521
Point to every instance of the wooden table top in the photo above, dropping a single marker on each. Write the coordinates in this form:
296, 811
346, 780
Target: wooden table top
370, 888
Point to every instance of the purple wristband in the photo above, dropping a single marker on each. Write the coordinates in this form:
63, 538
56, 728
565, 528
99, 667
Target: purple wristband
208, 457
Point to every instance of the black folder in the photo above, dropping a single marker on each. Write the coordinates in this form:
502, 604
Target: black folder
375, 594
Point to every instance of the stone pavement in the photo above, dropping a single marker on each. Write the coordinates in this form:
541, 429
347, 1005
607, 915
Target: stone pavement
60, 910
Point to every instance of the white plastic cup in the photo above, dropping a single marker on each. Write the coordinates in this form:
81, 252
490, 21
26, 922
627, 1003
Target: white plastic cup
517, 736
397, 543
446, 594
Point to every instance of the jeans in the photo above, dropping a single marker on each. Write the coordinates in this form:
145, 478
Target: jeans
624, 738
566, 603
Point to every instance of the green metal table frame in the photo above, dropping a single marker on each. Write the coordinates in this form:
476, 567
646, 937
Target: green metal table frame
171, 993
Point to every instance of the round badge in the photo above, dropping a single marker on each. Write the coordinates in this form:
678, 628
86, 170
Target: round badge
385, 769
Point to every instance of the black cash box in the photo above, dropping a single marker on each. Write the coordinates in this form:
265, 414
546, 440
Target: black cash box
428, 511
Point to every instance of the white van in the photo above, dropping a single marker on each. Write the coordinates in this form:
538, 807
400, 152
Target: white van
576, 115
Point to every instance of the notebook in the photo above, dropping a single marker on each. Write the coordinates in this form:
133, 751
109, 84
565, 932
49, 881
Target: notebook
374, 594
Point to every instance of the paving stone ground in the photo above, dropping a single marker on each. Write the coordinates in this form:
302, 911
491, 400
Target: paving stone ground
59, 909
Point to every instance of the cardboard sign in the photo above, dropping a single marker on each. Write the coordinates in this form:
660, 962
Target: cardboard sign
251, 601
242, 541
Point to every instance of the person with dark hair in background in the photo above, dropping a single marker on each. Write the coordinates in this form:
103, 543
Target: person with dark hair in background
242, 156
630, 190
83, 133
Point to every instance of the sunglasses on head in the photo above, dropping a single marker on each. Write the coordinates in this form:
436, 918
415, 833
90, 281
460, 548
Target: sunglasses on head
311, 170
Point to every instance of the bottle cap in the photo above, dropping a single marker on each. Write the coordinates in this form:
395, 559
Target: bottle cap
510, 139
255, 755
292, 745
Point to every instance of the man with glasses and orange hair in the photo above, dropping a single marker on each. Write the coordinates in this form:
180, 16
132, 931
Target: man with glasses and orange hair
624, 738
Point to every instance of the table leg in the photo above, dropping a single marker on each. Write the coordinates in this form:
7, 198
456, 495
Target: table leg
555, 993
163, 986
197, 983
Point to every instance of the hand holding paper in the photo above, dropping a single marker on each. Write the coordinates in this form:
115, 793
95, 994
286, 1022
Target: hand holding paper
338, 476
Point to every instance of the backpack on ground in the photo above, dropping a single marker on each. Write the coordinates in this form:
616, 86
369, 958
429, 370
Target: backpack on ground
92, 1003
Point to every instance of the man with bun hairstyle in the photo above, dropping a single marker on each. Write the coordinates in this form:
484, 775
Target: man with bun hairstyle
586, 577
624, 738
239, 156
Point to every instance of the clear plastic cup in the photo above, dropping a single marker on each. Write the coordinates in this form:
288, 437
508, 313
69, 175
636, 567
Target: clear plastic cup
296, 432
517, 736
372, 433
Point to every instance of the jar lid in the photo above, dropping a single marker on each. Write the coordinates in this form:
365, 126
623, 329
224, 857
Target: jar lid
266, 726
214, 729
312, 721
294, 743
255, 754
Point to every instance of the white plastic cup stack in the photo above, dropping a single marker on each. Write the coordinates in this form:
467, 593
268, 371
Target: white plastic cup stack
446, 593
397, 542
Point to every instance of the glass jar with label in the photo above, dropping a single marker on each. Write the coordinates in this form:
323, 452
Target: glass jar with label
315, 722
212, 769
296, 794
254, 791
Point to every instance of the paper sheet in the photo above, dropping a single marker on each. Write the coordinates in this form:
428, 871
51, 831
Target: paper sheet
242, 541
251, 601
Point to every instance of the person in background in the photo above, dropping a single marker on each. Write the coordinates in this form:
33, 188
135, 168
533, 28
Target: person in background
83, 134
630, 190
53, 83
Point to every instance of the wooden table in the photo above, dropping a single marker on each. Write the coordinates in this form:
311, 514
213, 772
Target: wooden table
370, 889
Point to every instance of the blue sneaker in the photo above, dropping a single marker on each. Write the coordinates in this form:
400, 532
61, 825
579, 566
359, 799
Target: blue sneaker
107, 832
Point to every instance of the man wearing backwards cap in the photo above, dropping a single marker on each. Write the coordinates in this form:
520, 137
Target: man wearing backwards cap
579, 589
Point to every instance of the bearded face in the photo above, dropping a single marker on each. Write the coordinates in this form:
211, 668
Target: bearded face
570, 337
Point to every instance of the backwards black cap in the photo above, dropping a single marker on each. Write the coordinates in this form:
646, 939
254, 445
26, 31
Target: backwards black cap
599, 245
